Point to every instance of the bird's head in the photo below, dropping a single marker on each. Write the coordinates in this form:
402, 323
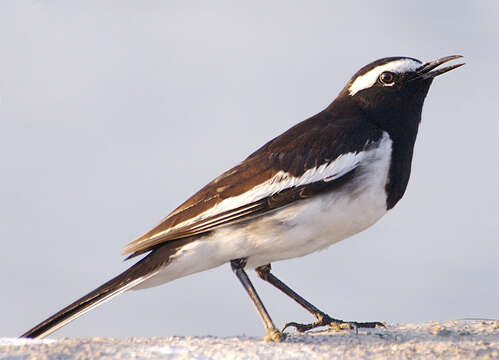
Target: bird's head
391, 91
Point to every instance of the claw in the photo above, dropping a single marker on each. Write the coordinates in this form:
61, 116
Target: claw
299, 327
326, 320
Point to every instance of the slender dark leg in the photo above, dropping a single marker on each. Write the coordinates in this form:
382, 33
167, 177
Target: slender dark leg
323, 319
272, 333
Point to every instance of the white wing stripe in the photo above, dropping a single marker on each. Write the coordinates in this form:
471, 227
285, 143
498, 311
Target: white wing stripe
279, 182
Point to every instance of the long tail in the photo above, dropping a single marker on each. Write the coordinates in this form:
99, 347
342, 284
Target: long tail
137, 273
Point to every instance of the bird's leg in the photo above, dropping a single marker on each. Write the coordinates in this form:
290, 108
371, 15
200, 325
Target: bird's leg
323, 319
272, 333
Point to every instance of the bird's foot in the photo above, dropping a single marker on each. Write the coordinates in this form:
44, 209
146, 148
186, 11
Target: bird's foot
335, 324
274, 335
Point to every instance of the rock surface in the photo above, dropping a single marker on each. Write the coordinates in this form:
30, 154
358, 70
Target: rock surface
460, 339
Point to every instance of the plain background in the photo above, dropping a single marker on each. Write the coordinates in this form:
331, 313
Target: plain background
114, 112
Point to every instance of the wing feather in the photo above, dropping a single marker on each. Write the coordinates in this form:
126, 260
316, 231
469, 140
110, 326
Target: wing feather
314, 156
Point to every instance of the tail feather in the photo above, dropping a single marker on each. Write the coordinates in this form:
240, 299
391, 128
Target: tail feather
137, 273
93, 299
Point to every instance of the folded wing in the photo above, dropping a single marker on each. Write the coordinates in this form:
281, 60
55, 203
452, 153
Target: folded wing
294, 166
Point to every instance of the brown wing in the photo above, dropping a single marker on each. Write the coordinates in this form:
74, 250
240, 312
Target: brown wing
233, 182
314, 142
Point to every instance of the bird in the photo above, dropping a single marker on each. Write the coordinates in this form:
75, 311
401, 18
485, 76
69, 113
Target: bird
323, 180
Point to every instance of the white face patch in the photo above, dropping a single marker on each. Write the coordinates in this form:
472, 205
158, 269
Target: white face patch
369, 79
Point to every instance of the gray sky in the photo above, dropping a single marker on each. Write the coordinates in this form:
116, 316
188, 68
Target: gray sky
112, 113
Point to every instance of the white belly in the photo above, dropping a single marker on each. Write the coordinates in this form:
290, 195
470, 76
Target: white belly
293, 231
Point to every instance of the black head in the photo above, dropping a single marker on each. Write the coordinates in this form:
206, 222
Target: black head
391, 91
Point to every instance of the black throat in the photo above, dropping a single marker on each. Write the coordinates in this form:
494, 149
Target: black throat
403, 130
400, 168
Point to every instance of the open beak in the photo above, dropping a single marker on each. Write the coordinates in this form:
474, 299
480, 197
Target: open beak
425, 71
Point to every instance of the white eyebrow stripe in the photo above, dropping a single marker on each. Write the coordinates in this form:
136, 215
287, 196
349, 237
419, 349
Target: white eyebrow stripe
369, 79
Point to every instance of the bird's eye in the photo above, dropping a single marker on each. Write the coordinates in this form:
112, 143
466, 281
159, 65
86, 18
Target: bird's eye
387, 78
